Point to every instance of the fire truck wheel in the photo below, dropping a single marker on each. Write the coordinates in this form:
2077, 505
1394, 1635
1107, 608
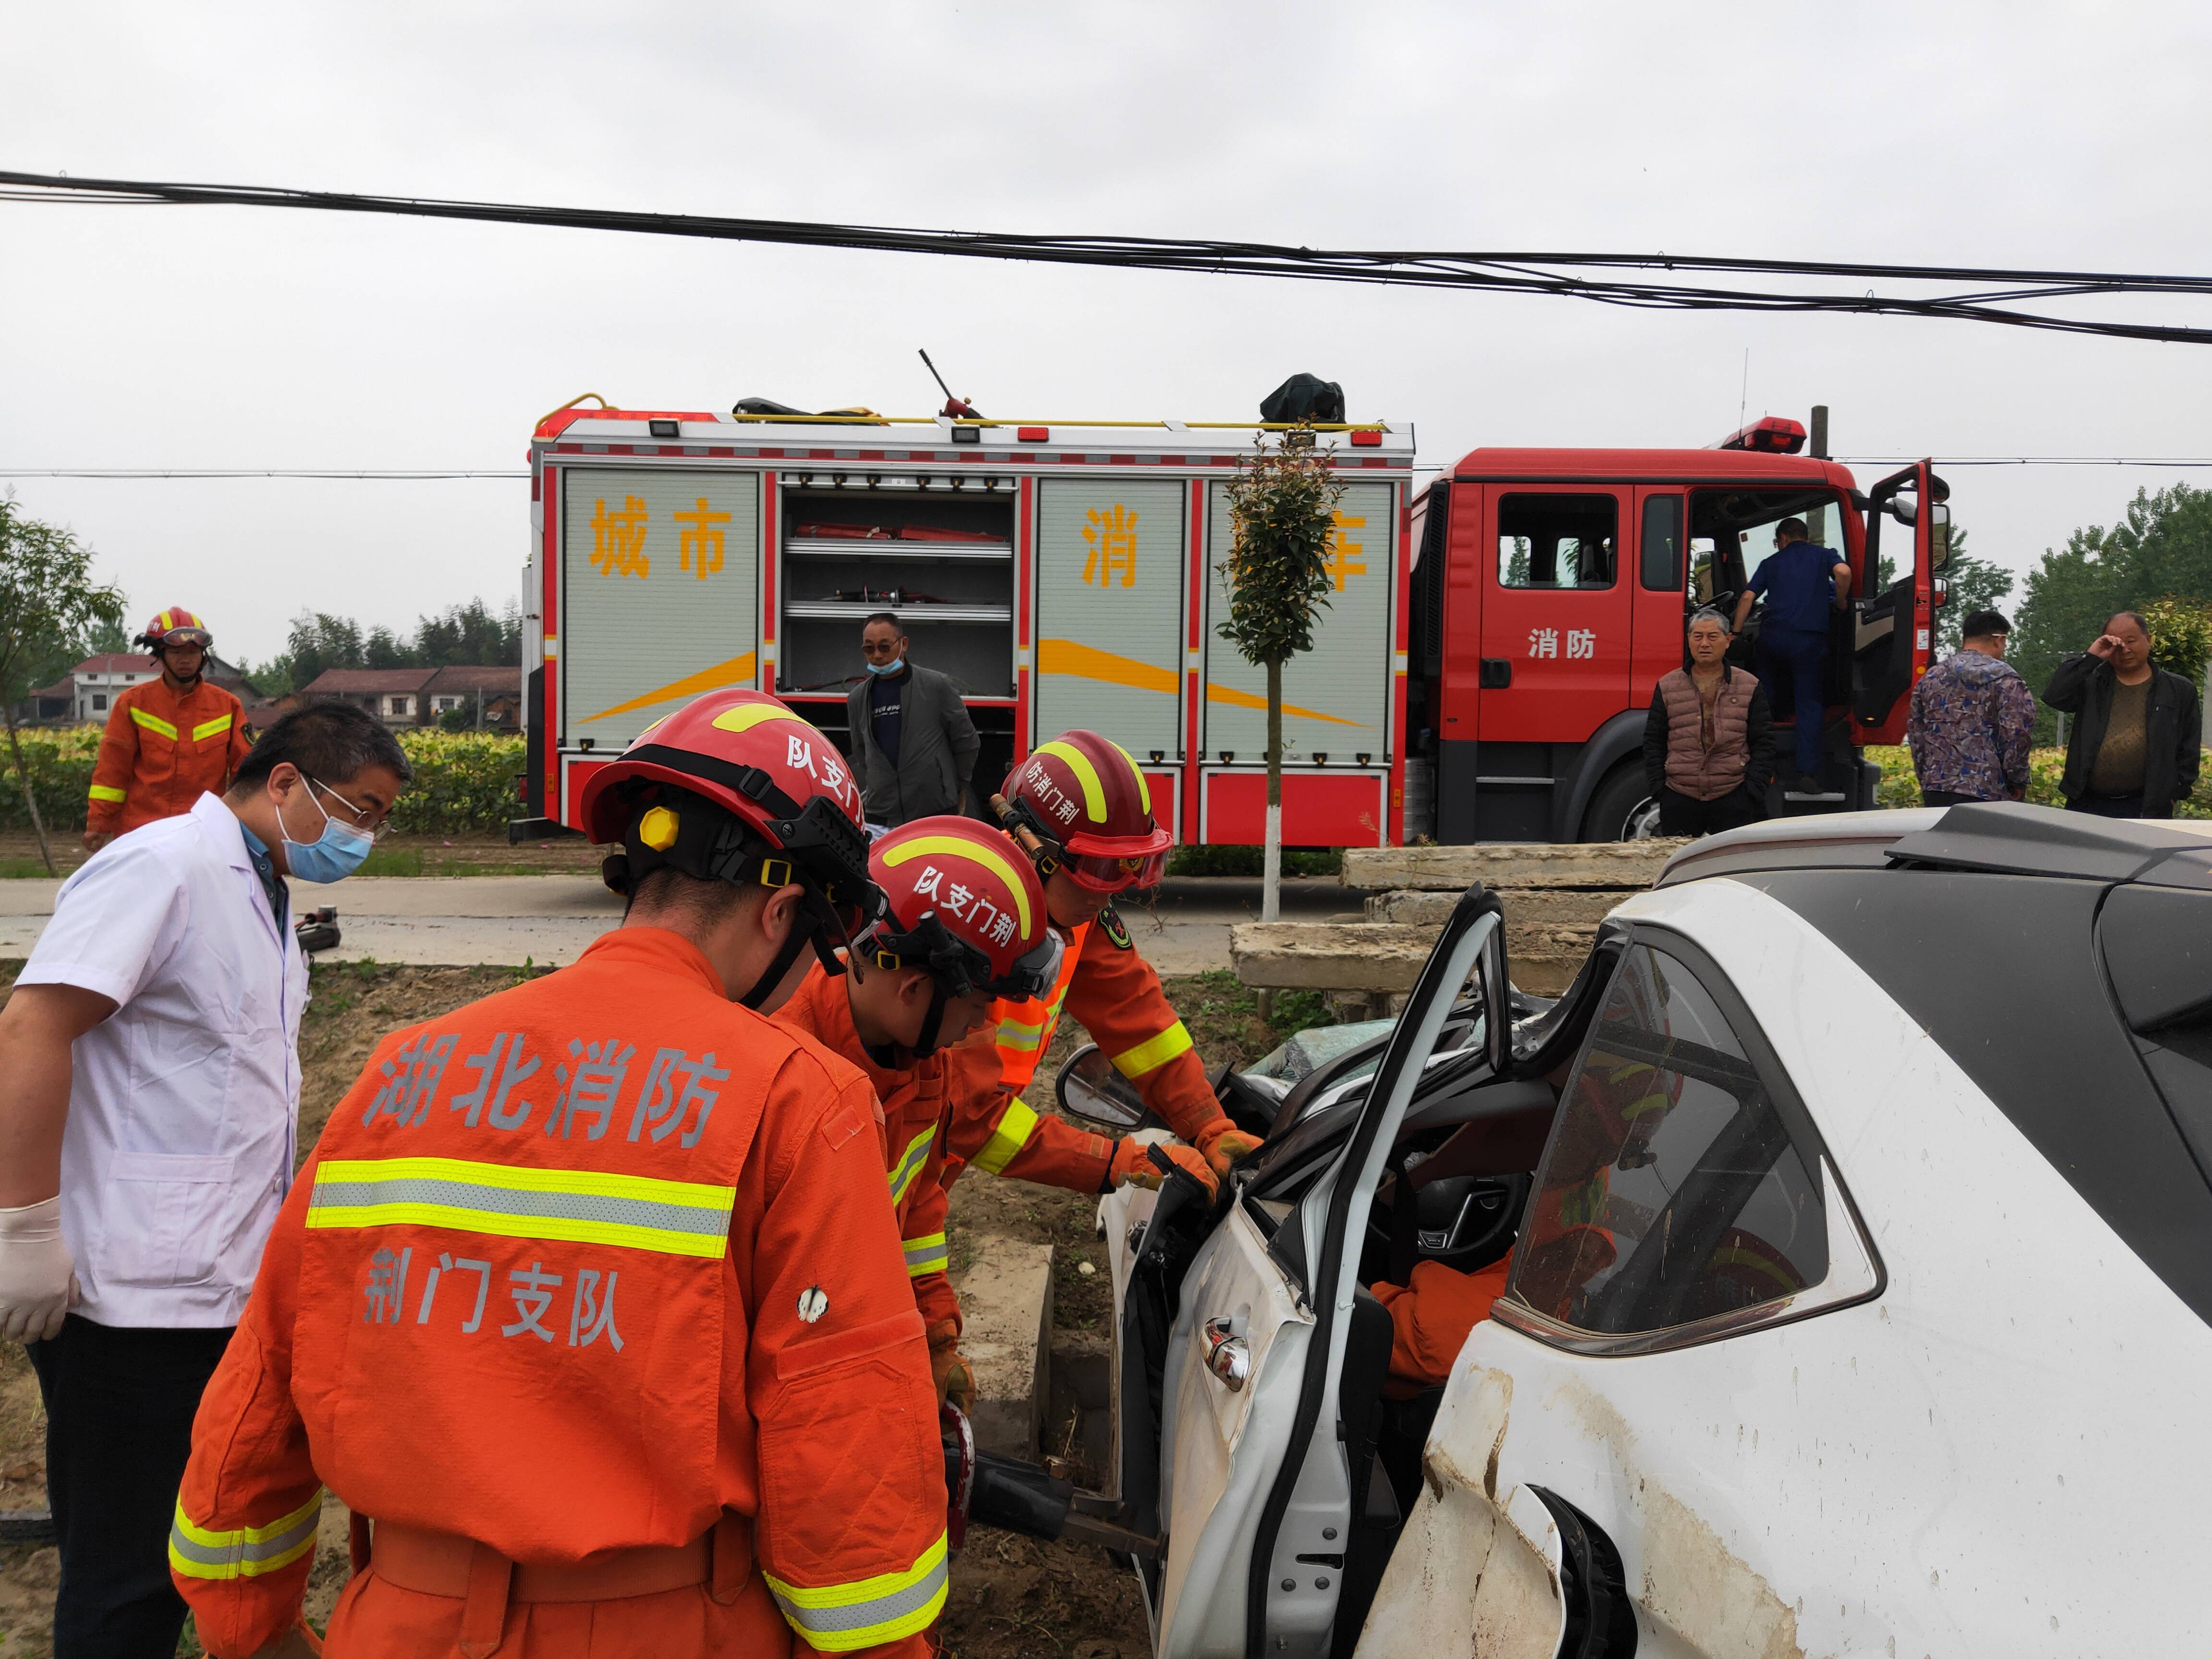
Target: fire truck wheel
1622, 809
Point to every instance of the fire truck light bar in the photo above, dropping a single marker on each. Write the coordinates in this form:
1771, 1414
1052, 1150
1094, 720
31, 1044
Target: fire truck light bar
1776, 434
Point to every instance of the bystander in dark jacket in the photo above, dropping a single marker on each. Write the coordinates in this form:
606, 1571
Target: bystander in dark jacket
1709, 741
2135, 743
914, 746
1973, 720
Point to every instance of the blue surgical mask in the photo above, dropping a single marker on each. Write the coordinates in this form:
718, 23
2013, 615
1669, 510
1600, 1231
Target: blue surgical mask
331, 856
886, 667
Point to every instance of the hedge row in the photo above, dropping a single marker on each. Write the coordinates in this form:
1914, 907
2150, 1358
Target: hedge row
1899, 787
464, 780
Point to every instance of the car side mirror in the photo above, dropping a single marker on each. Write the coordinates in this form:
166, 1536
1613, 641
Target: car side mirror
1090, 1088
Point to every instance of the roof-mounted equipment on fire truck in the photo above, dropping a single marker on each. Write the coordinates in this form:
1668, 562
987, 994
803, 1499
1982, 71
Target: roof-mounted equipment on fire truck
1773, 434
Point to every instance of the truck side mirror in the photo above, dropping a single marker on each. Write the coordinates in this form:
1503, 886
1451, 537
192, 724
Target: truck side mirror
1939, 536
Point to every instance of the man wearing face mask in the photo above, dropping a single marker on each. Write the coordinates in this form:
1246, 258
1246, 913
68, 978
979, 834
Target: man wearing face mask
914, 747
147, 1138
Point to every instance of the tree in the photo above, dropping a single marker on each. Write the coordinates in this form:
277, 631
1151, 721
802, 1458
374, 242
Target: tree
1282, 503
319, 642
47, 595
469, 634
2162, 548
1976, 584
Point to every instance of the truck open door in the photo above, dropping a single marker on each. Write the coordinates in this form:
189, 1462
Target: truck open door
1893, 620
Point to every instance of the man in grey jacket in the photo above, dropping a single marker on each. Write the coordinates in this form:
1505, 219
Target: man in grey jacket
914, 746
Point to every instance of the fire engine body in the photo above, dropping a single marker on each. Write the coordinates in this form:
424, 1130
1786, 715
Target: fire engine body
1063, 574
1067, 574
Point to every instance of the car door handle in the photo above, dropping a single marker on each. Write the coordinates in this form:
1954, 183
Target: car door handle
1496, 674
1226, 1355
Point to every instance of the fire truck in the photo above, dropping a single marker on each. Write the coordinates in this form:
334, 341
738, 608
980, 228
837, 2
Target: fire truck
1480, 672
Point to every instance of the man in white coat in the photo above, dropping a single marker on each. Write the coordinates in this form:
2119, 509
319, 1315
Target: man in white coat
148, 1129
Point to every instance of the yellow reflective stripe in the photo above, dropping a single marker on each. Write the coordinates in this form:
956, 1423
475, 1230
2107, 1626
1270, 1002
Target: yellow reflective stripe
1020, 1034
1153, 1052
1015, 1127
888, 1608
1144, 789
1094, 793
746, 715
245, 1552
153, 722
207, 729
957, 847
103, 792
926, 1254
909, 1164
672, 1217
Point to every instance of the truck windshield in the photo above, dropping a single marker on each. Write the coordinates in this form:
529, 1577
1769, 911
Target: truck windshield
1732, 533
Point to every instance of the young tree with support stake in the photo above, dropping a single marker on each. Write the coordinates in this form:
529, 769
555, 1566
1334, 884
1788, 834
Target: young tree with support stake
1282, 503
47, 596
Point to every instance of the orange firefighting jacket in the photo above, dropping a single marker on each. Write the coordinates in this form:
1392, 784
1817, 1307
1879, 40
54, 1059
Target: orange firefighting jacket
913, 1102
160, 752
583, 1266
1116, 996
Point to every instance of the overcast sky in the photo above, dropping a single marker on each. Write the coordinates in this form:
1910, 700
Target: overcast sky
2015, 134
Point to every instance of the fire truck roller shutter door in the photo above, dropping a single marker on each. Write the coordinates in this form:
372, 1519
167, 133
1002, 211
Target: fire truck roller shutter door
661, 576
1109, 623
1336, 698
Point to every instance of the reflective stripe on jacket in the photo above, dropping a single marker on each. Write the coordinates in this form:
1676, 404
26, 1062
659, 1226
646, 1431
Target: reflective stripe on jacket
913, 1102
160, 752
1113, 994
585, 1266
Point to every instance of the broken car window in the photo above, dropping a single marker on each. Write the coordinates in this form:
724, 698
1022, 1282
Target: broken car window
1671, 1191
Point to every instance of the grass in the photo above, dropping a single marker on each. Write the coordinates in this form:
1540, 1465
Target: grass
30, 869
1246, 862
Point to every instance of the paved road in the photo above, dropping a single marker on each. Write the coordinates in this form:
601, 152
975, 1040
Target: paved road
508, 919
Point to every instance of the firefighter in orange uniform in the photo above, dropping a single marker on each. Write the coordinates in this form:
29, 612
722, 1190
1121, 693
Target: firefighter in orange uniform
589, 1305
963, 922
1081, 805
169, 741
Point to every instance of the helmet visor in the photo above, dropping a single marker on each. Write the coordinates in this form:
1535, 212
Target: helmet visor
1033, 973
1113, 875
199, 636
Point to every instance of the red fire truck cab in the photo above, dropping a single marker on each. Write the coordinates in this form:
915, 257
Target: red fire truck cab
1551, 590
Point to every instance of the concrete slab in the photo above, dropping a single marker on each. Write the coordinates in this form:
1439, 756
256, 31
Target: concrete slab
1006, 1306
1628, 864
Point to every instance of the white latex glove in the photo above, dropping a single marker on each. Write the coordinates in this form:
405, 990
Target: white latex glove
38, 1278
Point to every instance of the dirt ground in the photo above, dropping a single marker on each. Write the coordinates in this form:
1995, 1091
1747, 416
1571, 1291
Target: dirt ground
1011, 1598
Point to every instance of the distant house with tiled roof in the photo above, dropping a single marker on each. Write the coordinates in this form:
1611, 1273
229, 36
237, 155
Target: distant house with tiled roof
402, 697
89, 689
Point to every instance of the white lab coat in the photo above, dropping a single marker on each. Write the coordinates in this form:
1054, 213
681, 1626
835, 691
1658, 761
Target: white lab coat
185, 1103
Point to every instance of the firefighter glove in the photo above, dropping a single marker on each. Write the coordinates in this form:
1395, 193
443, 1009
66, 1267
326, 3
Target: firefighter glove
38, 1276
955, 1380
1133, 1163
1221, 1143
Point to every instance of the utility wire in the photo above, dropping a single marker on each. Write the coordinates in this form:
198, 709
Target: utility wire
1986, 295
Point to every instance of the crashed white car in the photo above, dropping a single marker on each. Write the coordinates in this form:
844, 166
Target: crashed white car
1862, 1262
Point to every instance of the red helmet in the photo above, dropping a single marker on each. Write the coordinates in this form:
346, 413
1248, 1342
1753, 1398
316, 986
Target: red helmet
961, 900
768, 772
1083, 796
175, 626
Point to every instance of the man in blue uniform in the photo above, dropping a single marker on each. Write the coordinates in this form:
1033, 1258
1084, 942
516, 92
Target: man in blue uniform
1802, 582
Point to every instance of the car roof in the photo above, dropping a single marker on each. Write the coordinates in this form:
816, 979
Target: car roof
1995, 837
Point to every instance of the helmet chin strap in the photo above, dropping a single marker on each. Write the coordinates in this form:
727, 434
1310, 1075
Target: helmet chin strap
803, 933
933, 1021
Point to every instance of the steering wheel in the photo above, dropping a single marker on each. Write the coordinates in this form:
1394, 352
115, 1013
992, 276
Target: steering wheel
1463, 1222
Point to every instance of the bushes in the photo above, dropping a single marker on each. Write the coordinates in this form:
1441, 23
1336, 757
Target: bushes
464, 780
59, 759
2044, 767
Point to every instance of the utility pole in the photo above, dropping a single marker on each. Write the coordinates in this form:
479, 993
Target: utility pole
1818, 518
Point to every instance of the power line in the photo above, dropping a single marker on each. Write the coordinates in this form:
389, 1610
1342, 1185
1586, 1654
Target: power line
1986, 294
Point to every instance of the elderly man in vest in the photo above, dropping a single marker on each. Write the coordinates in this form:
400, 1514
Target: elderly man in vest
1709, 745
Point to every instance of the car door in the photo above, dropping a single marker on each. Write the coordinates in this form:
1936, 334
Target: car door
1685, 1217
1254, 1497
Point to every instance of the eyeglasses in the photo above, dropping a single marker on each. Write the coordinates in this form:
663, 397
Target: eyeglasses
357, 817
